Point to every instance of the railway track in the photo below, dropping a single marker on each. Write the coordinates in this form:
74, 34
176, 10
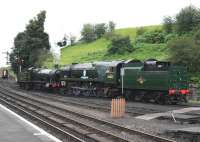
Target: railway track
91, 104
104, 104
42, 120
80, 126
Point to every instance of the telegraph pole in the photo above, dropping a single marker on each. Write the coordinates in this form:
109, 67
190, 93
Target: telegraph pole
19, 61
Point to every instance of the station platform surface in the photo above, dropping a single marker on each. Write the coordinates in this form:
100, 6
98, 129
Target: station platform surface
14, 128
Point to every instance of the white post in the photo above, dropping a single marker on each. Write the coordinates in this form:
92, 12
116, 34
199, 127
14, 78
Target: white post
122, 76
20, 68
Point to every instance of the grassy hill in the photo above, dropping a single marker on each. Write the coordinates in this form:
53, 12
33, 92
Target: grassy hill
97, 50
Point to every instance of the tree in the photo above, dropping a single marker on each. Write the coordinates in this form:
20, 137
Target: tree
13, 61
197, 37
88, 33
187, 19
120, 45
185, 51
111, 26
72, 39
168, 24
30, 44
100, 29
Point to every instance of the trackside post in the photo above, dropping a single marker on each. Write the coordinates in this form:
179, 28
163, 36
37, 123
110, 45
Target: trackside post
118, 107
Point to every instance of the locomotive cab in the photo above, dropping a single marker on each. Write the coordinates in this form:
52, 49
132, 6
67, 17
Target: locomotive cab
178, 82
109, 72
158, 80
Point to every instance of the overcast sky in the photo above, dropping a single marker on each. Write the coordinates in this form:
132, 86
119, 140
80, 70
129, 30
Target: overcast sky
68, 16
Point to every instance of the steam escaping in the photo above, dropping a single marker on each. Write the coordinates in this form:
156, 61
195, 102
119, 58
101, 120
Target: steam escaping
56, 52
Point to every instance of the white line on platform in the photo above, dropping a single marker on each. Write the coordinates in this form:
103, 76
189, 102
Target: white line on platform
38, 134
156, 115
41, 131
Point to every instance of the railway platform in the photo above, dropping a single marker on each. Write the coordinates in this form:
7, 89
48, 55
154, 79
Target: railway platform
14, 128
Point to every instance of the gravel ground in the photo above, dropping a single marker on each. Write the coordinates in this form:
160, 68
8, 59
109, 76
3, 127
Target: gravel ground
154, 126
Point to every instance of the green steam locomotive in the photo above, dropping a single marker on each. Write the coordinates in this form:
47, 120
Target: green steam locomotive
151, 80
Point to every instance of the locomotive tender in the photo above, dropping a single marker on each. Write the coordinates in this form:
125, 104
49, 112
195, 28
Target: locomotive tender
152, 80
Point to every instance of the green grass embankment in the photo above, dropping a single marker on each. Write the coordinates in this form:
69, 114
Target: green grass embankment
97, 50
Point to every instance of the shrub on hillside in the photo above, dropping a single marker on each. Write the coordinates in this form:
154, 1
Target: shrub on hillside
151, 37
111, 35
120, 45
169, 37
140, 31
184, 50
140, 39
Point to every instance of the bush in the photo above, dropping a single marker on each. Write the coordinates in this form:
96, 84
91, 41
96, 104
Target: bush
169, 37
140, 31
151, 37
140, 39
120, 45
111, 35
